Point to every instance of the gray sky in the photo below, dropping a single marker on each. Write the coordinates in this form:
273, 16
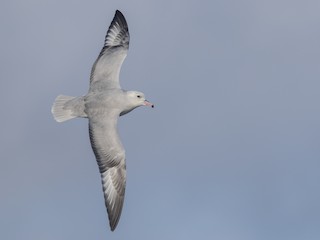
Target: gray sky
230, 152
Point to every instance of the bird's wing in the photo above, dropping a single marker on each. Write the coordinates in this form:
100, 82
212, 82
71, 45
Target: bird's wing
110, 157
106, 69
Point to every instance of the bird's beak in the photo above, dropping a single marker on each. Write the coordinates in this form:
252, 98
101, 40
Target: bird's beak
147, 103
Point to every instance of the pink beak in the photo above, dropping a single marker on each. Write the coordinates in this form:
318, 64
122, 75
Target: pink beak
147, 103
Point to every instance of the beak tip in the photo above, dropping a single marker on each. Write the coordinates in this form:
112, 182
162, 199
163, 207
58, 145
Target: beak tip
147, 103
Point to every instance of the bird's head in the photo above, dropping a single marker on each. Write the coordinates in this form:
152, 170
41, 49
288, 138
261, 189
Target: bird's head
135, 99
138, 99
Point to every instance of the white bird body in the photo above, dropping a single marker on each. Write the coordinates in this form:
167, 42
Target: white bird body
103, 105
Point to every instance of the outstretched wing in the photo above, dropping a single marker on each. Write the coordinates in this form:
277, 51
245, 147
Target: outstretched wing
106, 69
110, 157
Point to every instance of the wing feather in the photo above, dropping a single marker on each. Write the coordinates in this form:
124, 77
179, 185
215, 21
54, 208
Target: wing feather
106, 69
110, 157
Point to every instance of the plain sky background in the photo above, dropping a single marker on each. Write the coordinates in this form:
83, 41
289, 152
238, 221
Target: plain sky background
230, 152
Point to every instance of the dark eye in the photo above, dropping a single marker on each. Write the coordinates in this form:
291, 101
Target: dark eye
138, 96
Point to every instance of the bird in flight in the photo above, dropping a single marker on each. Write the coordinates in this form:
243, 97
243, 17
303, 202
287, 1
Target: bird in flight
104, 103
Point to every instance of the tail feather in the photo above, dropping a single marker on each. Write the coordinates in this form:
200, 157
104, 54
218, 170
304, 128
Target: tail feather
59, 109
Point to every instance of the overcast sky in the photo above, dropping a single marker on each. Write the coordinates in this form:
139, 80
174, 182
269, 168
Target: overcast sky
230, 152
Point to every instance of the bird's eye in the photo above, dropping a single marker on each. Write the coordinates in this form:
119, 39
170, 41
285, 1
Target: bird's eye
138, 96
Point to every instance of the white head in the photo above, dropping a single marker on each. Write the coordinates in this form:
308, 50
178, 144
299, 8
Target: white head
138, 99
135, 99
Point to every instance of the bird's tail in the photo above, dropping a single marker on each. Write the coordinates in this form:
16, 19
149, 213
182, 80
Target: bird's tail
62, 108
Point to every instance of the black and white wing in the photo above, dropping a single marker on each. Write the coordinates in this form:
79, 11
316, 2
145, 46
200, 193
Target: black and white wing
110, 157
106, 69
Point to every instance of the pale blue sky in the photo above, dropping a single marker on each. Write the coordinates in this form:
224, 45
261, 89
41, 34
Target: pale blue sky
230, 152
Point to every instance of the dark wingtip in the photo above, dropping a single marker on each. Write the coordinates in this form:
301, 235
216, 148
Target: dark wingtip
112, 224
114, 217
112, 228
120, 33
120, 15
